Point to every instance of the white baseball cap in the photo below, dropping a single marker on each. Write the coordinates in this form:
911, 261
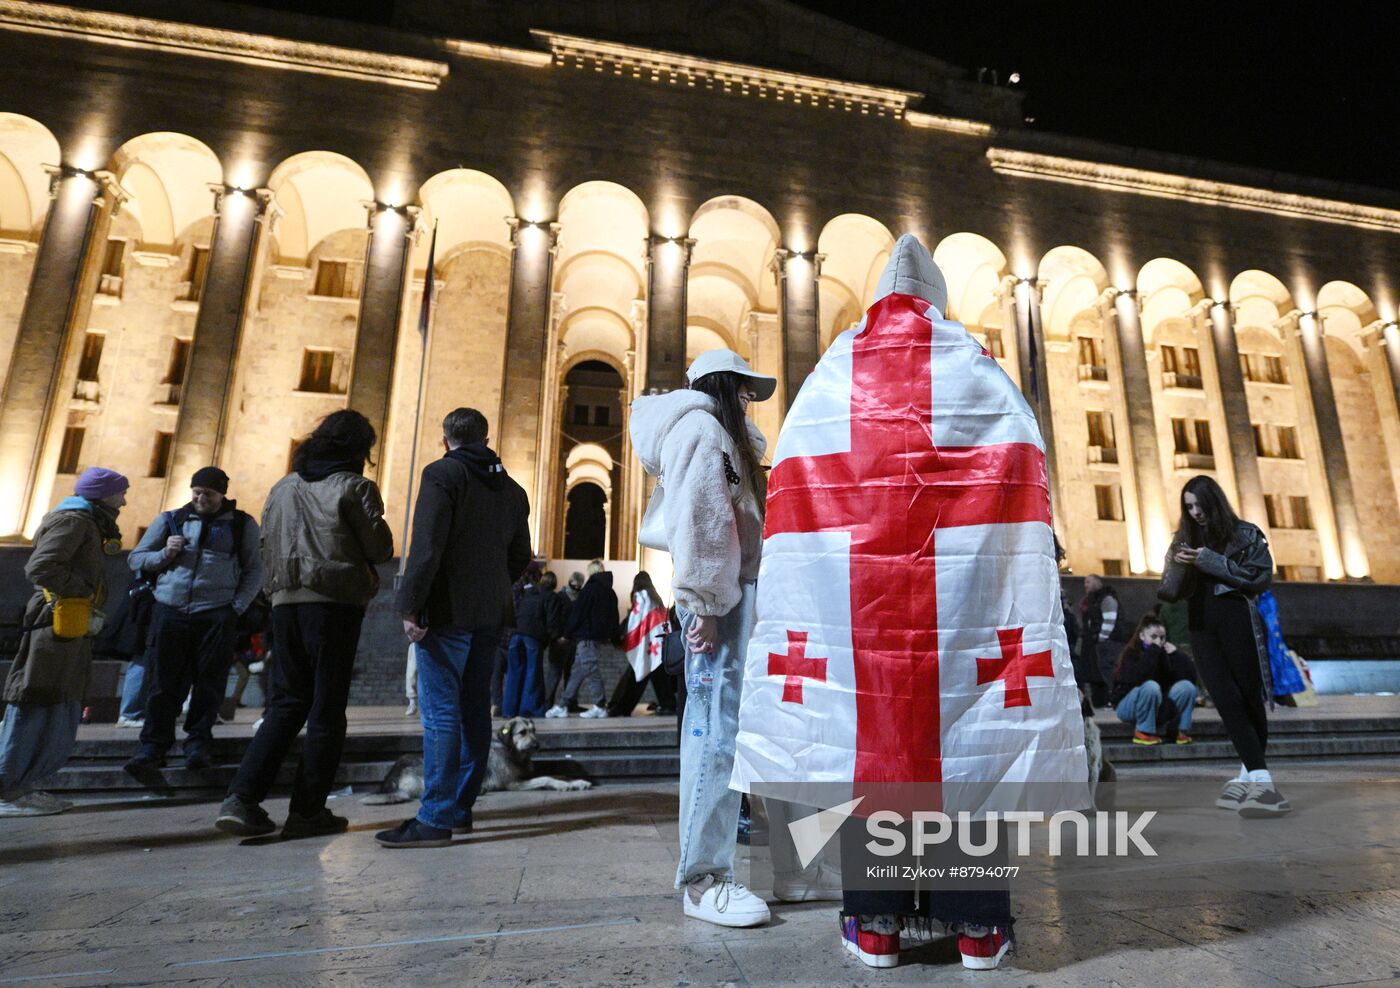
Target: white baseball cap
713, 361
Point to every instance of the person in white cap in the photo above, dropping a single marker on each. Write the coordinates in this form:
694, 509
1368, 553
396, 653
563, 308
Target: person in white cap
708, 455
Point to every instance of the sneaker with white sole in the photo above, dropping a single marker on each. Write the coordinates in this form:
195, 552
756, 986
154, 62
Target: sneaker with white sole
724, 902
32, 804
130, 722
983, 947
412, 709
1232, 794
1263, 800
875, 940
557, 711
48, 802
594, 712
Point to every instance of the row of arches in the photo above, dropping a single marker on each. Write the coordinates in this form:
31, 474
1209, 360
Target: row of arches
302, 325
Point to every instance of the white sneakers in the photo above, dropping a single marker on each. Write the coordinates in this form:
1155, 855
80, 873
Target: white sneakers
594, 712
557, 711
33, 804
723, 902
130, 722
412, 709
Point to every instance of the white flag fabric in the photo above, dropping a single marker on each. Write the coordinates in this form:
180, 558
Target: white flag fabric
646, 626
909, 626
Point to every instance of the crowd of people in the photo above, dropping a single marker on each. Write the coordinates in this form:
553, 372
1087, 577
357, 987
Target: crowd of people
470, 575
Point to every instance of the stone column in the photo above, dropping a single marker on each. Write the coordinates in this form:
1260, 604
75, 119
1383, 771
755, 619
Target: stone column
1390, 341
1334, 455
1142, 430
1030, 350
381, 303
218, 330
798, 275
33, 397
520, 422
668, 270
1238, 427
1386, 384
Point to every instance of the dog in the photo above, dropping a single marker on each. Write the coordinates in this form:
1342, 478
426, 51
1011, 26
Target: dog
1102, 774
509, 767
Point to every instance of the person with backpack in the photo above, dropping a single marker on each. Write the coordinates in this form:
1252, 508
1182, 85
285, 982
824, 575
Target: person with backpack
207, 570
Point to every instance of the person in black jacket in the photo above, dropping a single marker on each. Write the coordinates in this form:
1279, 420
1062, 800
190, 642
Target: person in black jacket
1220, 565
560, 658
1102, 633
471, 539
1147, 691
593, 625
538, 616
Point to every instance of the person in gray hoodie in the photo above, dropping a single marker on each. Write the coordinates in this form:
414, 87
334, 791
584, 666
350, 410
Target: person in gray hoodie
205, 563
708, 455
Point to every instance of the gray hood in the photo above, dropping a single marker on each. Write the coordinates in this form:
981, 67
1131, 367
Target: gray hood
911, 271
655, 417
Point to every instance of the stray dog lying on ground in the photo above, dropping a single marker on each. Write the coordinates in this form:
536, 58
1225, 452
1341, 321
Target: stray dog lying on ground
509, 767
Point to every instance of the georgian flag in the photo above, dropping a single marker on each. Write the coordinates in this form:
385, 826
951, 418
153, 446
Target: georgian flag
646, 627
909, 627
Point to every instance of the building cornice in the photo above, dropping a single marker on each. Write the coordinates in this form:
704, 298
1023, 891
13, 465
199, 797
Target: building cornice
264, 51
498, 53
729, 77
1073, 171
952, 125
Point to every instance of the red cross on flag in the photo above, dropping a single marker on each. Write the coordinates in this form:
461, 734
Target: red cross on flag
646, 629
908, 548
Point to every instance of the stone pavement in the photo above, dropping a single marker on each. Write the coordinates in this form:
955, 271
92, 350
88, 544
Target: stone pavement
575, 889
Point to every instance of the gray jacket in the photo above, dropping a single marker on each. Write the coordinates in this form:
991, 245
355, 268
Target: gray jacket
205, 576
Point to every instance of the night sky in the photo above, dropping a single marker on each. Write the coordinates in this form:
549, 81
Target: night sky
1299, 88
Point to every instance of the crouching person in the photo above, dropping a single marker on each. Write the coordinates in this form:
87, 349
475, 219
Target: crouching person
1148, 691
45, 688
323, 534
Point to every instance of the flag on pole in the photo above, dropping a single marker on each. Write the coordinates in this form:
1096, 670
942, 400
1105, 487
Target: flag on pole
425, 310
909, 627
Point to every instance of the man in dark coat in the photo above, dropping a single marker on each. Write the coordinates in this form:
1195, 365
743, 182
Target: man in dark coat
471, 540
593, 625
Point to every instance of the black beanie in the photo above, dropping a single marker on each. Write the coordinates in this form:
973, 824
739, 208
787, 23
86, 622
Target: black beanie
212, 478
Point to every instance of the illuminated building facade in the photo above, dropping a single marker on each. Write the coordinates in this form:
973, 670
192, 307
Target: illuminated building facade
214, 233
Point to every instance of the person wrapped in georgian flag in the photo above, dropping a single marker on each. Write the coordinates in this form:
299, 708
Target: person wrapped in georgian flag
646, 630
909, 650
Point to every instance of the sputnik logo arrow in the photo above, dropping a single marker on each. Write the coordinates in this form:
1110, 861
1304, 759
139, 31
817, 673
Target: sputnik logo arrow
812, 833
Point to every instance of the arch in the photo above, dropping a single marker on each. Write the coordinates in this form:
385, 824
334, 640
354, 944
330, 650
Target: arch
603, 216
1167, 289
588, 463
319, 193
168, 176
1259, 298
469, 208
855, 248
973, 267
599, 272
586, 521
730, 273
1345, 310
26, 146
1072, 279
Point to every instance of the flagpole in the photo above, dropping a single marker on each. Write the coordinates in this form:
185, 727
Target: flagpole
425, 317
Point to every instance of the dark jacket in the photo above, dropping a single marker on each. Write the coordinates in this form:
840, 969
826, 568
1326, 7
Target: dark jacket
1245, 569
539, 614
471, 540
1137, 666
219, 566
322, 539
593, 617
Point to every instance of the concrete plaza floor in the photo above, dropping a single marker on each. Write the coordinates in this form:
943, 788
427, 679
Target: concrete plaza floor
575, 889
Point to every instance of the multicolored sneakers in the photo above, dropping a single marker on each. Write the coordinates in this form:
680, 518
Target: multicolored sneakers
1140, 737
875, 940
983, 947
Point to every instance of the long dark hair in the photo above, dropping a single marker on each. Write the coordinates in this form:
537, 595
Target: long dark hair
641, 583
1221, 519
1134, 646
341, 436
723, 387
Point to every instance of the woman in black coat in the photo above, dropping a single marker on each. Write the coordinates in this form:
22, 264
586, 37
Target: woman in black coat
1220, 565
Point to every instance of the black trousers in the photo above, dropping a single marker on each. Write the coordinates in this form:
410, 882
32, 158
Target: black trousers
311, 669
187, 650
559, 660
628, 691
1228, 663
987, 905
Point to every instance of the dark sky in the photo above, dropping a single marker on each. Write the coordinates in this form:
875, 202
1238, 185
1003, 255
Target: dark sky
1302, 88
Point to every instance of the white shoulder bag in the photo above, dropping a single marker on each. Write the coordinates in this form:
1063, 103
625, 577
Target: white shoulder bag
652, 534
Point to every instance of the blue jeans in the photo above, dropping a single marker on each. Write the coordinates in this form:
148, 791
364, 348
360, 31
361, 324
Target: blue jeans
523, 695
709, 819
454, 699
1140, 706
35, 740
135, 688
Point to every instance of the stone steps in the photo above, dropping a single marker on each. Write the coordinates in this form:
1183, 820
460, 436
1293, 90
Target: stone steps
644, 750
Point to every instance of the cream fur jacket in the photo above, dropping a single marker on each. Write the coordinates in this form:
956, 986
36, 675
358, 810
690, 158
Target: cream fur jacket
714, 521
